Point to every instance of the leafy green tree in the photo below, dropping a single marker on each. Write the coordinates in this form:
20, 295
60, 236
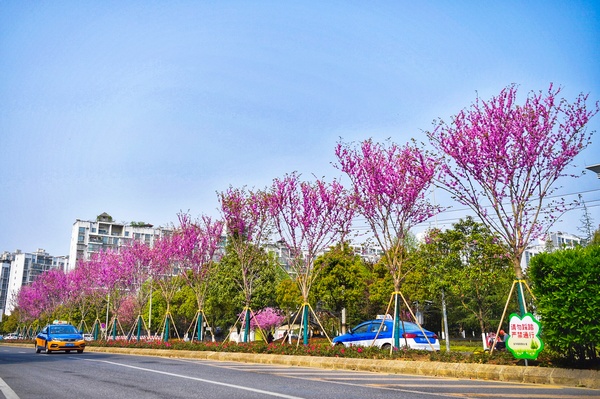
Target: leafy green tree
342, 283
472, 266
596, 237
587, 224
380, 284
154, 311
10, 322
288, 296
184, 308
566, 284
225, 297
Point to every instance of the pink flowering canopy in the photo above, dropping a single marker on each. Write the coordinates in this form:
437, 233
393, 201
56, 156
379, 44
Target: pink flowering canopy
245, 214
30, 302
389, 184
247, 222
266, 318
165, 264
43, 297
310, 217
506, 157
198, 251
136, 259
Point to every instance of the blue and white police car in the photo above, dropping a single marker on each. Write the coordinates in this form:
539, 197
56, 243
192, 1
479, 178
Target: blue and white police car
379, 333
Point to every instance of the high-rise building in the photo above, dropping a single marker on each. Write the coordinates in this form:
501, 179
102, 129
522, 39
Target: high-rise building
102, 234
5, 260
23, 269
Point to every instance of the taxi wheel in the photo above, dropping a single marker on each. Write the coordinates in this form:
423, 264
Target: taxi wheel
37, 349
79, 350
47, 350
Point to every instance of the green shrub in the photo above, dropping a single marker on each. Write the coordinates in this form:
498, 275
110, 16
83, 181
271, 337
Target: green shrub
566, 284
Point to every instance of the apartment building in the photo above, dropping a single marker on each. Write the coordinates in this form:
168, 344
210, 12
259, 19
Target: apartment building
5, 260
549, 243
20, 269
102, 234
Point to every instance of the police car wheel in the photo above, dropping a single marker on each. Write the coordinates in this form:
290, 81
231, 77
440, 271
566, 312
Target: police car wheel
386, 347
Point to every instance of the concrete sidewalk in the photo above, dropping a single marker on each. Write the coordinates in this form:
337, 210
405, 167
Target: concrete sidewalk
531, 375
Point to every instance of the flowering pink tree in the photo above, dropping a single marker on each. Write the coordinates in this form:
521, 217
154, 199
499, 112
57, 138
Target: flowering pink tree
29, 304
164, 267
54, 288
80, 282
247, 224
310, 217
503, 159
128, 312
115, 278
389, 184
198, 252
266, 319
92, 293
43, 299
136, 260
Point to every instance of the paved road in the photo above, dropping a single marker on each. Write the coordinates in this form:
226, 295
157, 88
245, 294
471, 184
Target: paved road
25, 374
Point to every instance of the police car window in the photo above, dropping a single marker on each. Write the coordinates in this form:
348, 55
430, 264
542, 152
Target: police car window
361, 329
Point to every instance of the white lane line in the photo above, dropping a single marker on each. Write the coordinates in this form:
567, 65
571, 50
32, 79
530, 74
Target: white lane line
7, 391
279, 395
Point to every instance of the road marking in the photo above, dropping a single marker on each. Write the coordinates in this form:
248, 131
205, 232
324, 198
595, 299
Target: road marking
279, 395
540, 396
7, 391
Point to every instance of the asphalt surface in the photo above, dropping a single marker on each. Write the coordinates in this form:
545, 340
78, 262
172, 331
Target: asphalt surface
25, 374
507, 373
522, 374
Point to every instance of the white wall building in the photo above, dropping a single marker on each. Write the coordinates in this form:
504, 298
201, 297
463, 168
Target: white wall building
549, 243
5, 261
24, 269
88, 237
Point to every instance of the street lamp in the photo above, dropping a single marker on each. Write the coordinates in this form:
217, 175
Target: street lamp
595, 169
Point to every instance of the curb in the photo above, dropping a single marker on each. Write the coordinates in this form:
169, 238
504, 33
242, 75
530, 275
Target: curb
519, 374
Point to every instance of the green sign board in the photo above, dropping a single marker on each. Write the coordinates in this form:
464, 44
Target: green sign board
524, 340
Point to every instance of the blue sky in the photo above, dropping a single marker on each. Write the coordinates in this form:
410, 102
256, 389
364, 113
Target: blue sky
143, 109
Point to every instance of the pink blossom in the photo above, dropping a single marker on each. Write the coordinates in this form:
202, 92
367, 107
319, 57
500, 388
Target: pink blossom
508, 157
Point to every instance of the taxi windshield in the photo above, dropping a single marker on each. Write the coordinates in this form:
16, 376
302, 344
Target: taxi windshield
62, 330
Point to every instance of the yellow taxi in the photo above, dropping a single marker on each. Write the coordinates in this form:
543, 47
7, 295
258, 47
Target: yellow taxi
59, 336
